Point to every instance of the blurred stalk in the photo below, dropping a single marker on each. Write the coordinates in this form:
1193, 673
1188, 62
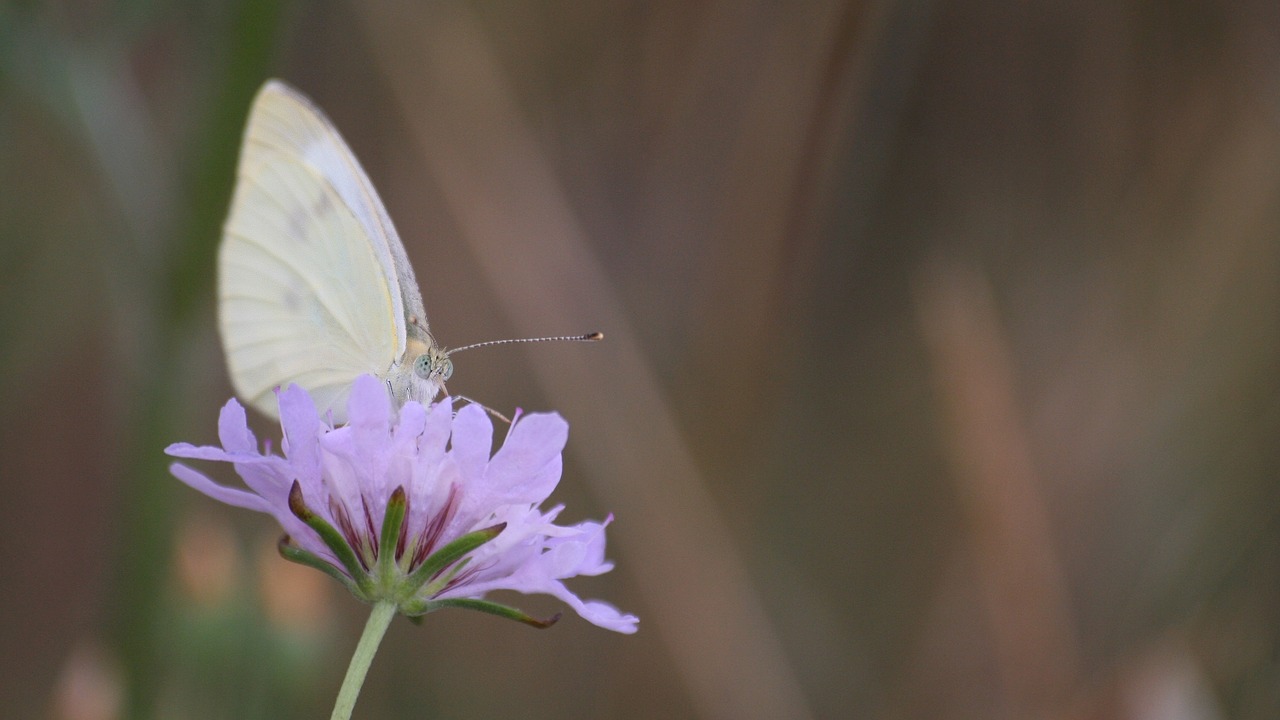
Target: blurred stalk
147, 491
1011, 541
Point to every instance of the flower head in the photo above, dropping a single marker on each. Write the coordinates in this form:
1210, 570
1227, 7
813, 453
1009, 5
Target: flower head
410, 506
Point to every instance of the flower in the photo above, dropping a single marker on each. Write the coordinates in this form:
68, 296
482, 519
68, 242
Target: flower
409, 507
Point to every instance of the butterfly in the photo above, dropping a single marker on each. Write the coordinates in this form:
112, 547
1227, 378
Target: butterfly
314, 284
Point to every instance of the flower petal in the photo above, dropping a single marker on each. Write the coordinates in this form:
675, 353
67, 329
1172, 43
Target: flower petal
602, 614
233, 429
302, 429
588, 552
231, 496
527, 466
597, 612
432, 443
409, 427
471, 441
369, 405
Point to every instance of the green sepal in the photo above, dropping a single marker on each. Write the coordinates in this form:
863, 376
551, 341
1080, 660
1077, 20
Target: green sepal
484, 606
447, 555
293, 553
442, 580
332, 538
397, 506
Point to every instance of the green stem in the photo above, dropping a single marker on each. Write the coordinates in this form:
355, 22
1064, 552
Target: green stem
374, 629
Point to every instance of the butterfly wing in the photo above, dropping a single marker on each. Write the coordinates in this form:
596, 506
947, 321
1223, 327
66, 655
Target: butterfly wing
314, 287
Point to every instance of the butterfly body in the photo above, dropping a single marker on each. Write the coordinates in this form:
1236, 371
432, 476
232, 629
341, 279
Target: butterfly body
314, 284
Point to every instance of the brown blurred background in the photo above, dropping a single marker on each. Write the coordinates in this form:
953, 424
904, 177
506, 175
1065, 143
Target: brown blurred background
941, 376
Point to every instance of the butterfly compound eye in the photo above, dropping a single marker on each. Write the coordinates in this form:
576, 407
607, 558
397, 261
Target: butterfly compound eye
422, 366
446, 369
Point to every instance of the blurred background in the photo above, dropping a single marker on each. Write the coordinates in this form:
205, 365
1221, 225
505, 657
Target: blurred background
942, 376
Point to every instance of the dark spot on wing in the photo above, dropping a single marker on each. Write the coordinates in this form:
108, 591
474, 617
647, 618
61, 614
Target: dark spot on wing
298, 224
323, 206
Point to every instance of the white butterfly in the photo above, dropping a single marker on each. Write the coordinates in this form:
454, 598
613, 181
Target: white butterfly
314, 286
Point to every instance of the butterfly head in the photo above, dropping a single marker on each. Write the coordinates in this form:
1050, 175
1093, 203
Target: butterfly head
434, 366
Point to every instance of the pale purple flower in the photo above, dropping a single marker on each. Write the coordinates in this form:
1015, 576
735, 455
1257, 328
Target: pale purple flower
462, 523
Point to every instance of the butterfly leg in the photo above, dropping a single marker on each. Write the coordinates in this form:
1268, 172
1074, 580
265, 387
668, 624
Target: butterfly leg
487, 409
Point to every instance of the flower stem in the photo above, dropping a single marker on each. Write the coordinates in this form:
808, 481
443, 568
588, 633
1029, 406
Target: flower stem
374, 629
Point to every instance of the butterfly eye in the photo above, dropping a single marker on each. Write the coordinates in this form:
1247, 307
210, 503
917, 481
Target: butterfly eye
422, 366
446, 369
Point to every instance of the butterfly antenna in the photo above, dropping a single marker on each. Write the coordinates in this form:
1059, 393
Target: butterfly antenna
589, 337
